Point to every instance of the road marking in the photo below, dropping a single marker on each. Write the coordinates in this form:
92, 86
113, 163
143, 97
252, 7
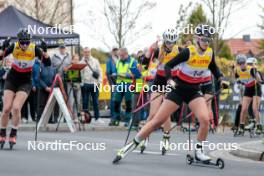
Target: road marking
156, 153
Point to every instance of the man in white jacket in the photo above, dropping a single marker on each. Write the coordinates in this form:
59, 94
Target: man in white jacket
91, 80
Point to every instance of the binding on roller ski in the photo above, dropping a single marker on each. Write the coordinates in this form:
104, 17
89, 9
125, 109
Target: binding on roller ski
176, 97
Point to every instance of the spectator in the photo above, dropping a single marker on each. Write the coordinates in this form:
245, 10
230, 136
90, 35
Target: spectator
140, 96
60, 61
4, 70
124, 81
110, 71
91, 80
46, 78
74, 92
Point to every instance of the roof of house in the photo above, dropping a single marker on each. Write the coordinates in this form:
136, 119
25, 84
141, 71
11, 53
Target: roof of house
240, 46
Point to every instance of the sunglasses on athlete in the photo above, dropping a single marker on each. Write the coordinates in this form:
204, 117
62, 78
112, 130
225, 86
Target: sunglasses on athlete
205, 40
241, 63
24, 42
169, 43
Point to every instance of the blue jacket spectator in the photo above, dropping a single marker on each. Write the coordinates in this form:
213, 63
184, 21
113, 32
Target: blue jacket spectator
35, 74
111, 66
47, 76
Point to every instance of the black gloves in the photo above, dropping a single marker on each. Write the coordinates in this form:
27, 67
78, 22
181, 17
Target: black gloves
43, 45
6, 43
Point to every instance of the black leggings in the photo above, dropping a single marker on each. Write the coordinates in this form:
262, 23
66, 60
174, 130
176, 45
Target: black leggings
238, 111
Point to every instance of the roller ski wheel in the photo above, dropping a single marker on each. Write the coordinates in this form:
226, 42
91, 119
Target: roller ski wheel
12, 142
252, 133
163, 151
239, 133
259, 130
190, 160
220, 163
235, 132
142, 149
184, 129
143, 145
2, 142
165, 146
117, 159
213, 130
124, 151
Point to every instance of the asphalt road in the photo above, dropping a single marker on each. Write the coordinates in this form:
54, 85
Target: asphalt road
24, 162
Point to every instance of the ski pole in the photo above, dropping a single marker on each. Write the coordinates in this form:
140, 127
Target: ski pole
191, 113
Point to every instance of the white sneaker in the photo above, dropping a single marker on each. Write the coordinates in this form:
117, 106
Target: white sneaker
201, 156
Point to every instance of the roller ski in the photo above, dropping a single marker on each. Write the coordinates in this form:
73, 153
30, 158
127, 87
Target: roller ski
166, 143
12, 142
143, 145
192, 160
124, 151
212, 129
256, 132
240, 131
200, 158
2, 138
251, 128
2, 142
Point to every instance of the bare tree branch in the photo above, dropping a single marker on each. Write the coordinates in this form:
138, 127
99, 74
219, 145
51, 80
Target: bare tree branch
121, 20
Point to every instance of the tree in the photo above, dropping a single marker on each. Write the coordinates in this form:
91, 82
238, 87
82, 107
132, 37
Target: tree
225, 51
219, 13
121, 18
262, 18
49, 12
261, 26
196, 17
183, 14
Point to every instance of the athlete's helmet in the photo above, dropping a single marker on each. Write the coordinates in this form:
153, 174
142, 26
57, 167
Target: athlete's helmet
250, 60
23, 35
241, 59
170, 35
204, 30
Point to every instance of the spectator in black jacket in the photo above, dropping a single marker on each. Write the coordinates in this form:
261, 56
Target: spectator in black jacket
47, 76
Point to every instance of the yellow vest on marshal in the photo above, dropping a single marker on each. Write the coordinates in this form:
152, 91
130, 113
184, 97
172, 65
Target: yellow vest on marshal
123, 69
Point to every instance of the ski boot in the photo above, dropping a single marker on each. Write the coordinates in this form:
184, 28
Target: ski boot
12, 142
166, 143
250, 126
125, 150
